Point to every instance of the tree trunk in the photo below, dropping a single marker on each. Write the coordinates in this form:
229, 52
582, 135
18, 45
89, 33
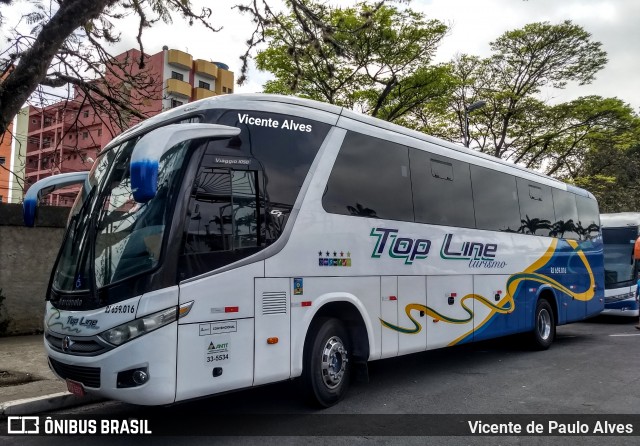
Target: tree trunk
35, 62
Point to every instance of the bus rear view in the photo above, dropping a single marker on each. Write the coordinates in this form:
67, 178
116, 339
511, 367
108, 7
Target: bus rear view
620, 234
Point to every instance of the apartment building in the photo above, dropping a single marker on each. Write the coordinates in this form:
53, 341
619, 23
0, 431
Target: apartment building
67, 136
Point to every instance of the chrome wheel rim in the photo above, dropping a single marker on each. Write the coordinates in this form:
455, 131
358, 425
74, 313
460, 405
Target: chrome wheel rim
334, 362
544, 324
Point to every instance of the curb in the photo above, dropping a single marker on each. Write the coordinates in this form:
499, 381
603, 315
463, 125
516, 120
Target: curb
55, 401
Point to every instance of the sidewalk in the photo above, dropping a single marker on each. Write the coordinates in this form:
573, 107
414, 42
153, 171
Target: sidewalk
27, 385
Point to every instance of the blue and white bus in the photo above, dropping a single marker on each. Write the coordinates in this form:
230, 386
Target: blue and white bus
620, 234
247, 239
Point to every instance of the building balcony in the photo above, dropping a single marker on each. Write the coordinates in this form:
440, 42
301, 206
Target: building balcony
180, 59
34, 172
201, 93
50, 148
205, 68
224, 82
179, 88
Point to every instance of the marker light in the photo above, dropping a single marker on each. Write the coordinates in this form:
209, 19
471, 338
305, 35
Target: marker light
138, 327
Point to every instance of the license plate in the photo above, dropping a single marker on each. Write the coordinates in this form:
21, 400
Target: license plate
75, 388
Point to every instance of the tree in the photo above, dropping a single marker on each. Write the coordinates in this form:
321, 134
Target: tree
611, 171
523, 61
371, 57
67, 44
558, 139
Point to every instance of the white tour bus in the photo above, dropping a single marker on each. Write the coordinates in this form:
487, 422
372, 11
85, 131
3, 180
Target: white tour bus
247, 239
621, 263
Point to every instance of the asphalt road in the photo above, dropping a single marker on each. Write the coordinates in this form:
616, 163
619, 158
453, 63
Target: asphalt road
592, 371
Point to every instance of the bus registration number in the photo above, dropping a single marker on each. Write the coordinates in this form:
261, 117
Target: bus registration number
120, 309
215, 358
217, 349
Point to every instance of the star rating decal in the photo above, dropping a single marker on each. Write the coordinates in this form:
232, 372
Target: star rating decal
338, 258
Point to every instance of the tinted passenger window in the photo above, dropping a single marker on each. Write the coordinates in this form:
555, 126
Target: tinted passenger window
536, 208
370, 178
285, 145
495, 199
224, 221
441, 190
566, 222
223, 212
588, 226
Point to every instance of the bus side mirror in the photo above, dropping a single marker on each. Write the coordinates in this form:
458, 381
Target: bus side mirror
636, 249
44, 187
145, 159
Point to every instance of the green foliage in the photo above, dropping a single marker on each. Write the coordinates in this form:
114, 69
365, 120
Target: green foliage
543, 54
523, 61
368, 57
378, 59
612, 173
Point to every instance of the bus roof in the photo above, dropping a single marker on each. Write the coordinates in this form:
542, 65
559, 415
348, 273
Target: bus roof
193, 108
620, 219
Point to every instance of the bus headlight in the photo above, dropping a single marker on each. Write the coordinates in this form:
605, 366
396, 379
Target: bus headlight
138, 327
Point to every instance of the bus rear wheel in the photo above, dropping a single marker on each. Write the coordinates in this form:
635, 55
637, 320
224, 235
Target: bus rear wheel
326, 368
544, 329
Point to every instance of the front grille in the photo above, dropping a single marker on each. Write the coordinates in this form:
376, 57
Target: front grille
619, 297
89, 376
80, 346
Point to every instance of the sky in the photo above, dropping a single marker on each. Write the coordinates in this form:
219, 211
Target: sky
473, 24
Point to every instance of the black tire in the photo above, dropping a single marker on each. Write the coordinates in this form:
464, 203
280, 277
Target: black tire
326, 362
544, 326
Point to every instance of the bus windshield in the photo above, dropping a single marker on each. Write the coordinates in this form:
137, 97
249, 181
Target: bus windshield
618, 255
110, 237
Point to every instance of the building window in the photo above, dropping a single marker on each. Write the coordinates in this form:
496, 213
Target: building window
176, 75
224, 89
99, 132
176, 103
2, 160
86, 113
0, 198
229, 90
85, 135
206, 85
70, 136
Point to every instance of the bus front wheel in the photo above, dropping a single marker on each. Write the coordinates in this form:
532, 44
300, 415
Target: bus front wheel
544, 329
326, 368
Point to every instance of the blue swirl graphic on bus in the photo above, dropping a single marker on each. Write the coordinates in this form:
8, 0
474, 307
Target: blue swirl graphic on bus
536, 273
